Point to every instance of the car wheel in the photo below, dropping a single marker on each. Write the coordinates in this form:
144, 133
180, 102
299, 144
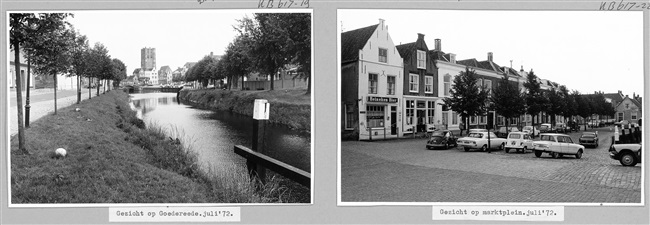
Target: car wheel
503, 145
429, 147
507, 150
596, 145
627, 159
446, 145
466, 149
538, 153
525, 148
579, 154
484, 148
554, 155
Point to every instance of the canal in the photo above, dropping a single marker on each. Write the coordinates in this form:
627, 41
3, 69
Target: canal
212, 135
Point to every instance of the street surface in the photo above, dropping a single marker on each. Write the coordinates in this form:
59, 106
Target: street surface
405, 171
42, 103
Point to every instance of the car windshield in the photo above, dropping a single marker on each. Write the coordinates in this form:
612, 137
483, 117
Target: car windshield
475, 135
528, 128
543, 126
514, 136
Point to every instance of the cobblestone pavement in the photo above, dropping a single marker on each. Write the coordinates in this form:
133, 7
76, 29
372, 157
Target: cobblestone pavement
404, 171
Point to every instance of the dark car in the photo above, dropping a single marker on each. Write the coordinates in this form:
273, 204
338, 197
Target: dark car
573, 125
502, 131
442, 139
562, 128
589, 139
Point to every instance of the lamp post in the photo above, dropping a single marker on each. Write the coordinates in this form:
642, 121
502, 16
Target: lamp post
27, 106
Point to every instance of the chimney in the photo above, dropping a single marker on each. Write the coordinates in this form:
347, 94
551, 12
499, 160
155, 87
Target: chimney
420, 36
522, 69
438, 46
381, 23
620, 92
490, 56
452, 58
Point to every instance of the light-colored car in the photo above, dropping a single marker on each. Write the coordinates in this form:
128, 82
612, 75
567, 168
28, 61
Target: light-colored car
520, 141
545, 128
627, 154
557, 145
479, 140
531, 130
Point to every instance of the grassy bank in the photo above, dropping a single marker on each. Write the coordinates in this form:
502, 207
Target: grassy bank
113, 158
291, 108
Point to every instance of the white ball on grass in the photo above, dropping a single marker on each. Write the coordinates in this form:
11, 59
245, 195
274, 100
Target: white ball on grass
58, 153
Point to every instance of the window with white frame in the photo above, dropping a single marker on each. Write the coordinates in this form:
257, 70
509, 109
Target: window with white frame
414, 82
633, 116
454, 118
428, 84
422, 58
447, 81
349, 116
479, 83
410, 111
620, 116
391, 85
445, 117
500, 121
431, 109
482, 119
383, 55
372, 83
472, 120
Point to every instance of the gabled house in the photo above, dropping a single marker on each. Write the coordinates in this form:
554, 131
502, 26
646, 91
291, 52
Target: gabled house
629, 109
448, 69
371, 84
165, 75
420, 87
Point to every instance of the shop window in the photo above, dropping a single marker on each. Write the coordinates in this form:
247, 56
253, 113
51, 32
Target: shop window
375, 115
410, 112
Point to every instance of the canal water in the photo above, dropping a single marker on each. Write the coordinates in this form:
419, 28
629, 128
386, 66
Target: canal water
212, 135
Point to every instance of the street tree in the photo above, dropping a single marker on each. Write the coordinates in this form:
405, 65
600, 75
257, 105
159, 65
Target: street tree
236, 62
568, 102
467, 99
119, 72
555, 104
99, 64
535, 99
24, 28
80, 53
582, 106
507, 100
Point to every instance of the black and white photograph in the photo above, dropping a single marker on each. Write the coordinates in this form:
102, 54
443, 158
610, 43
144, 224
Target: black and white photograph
490, 107
159, 107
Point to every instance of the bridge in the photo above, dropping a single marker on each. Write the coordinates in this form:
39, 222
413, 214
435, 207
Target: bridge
152, 89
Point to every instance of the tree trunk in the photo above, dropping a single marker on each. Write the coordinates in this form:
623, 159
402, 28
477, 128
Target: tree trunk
98, 82
78, 89
272, 82
308, 85
90, 81
55, 87
19, 100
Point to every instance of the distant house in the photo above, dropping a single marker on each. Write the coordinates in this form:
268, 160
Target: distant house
23, 71
371, 84
629, 109
165, 75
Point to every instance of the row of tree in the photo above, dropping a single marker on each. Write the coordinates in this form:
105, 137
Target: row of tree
470, 99
266, 44
53, 47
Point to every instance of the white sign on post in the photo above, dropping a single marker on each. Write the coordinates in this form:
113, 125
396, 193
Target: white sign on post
261, 109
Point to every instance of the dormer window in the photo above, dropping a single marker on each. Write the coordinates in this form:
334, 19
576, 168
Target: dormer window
422, 58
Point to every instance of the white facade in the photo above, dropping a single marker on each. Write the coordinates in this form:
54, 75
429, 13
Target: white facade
380, 106
447, 71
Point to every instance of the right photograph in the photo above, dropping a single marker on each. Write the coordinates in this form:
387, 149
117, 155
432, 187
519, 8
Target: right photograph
490, 106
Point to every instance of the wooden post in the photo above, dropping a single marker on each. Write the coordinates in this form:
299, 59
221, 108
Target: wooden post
258, 146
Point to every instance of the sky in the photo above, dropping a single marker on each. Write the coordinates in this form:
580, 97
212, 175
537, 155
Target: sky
179, 36
586, 51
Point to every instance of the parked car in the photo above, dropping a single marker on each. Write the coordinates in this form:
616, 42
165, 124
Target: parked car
589, 138
545, 128
561, 128
627, 154
502, 133
442, 138
479, 140
531, 130
520, 141
573, 125
557, 145
622, 124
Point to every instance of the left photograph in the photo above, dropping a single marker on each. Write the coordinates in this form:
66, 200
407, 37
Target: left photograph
159, 107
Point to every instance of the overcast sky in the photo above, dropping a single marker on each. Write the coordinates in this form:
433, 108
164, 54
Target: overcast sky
585, 50
179, 36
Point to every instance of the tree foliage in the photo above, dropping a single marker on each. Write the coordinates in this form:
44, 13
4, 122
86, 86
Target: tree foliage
507, 100
535, 99
466, 97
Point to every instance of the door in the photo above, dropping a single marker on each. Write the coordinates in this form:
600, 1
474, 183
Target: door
393, 120
421, 126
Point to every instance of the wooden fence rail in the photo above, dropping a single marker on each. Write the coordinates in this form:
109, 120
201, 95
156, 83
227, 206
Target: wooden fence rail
255, 158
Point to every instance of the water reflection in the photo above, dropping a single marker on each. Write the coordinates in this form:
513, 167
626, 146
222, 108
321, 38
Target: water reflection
212, 135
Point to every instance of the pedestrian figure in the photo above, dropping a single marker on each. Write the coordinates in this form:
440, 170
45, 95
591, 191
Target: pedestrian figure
462, 126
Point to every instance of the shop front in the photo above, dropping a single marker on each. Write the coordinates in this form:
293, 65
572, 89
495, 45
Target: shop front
382, 118
419, 115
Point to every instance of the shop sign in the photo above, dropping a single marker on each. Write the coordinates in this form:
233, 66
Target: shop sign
382, 99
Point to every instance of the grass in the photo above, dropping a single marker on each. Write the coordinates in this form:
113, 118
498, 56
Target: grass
291, 107
113, 158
